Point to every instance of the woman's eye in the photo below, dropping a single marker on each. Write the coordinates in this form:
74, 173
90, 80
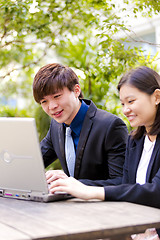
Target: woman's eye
131, 101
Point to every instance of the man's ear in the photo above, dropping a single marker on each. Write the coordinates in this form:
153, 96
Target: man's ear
77, 90
157, 96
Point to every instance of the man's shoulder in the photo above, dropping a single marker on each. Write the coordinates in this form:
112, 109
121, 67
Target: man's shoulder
107, 116
101, 115
94, 111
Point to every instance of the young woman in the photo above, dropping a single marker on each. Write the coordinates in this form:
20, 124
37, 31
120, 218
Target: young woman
139, 92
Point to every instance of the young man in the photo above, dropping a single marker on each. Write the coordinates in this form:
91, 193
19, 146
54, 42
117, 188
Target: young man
99, 137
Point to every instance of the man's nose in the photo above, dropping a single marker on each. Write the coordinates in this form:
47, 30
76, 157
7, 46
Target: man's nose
52, 105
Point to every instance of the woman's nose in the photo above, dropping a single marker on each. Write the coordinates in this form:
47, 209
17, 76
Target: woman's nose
126, 110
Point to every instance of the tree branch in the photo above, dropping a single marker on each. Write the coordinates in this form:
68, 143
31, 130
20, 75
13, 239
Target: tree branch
141, 40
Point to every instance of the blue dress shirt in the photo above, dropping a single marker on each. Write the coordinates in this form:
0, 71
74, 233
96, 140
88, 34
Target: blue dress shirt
76, 124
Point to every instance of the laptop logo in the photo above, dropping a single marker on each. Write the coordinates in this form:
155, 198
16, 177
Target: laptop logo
8, 157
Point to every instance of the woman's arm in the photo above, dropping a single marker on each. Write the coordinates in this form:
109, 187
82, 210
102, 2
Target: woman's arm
77, 189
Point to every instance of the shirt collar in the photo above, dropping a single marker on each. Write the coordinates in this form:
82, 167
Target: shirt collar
77, 122
148, 145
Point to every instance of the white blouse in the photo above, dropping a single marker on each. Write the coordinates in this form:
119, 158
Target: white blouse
144, 161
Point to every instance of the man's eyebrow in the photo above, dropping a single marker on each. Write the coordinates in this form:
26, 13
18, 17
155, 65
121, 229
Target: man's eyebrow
42, 98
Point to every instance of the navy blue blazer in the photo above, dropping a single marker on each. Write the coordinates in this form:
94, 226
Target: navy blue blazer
101, 148
146, 194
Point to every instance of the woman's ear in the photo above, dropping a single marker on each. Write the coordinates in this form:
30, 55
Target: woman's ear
157, 96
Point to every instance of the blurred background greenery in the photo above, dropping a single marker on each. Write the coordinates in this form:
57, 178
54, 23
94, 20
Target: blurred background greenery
85, 35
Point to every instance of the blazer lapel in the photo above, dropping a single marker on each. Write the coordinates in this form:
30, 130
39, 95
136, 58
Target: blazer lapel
81, 146
135, 155
85, 131
61, 145
153, 156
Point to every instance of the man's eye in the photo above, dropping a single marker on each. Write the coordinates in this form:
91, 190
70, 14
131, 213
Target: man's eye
56, 96
42, 102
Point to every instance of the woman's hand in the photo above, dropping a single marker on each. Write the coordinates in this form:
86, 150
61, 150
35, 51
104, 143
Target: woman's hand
77, 189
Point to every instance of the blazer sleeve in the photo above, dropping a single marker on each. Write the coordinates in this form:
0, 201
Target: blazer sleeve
114, 150
146, 194
47, 149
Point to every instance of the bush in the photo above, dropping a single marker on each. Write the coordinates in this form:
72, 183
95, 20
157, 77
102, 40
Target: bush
6, 111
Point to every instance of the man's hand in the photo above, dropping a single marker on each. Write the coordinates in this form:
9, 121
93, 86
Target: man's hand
53, 175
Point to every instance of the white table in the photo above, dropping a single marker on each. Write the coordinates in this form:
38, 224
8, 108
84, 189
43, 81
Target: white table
74, 219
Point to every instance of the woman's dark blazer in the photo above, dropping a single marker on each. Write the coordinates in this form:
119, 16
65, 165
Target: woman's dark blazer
146, 194
101, 148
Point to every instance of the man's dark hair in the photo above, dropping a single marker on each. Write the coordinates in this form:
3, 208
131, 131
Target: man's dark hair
52, 78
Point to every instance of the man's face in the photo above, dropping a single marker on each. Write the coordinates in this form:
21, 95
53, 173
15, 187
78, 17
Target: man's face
63, 105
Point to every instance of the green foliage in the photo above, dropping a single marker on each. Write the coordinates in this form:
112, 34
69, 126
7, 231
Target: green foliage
152, 6
42, 122
6, 111
55, 165
82, 34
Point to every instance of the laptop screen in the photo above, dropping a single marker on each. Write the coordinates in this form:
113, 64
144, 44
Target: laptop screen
21, 164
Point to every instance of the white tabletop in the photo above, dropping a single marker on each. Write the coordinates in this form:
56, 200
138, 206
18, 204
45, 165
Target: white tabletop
73, 219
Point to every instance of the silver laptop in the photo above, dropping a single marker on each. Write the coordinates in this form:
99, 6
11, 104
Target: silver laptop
22, 173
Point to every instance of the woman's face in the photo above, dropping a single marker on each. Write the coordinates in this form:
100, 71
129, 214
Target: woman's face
139, 107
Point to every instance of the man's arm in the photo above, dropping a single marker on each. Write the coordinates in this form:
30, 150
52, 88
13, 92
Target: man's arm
115, 147
47, 150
